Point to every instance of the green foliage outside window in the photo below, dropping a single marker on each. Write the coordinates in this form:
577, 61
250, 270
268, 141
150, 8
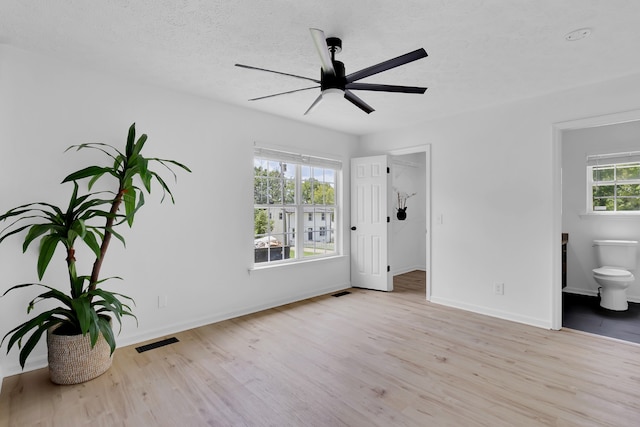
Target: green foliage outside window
616, 187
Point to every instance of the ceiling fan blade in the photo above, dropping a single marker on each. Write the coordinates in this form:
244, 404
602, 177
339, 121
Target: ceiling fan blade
385, 88
358, 102
320, 41
387, 65
283, 93
277, 72
314, 105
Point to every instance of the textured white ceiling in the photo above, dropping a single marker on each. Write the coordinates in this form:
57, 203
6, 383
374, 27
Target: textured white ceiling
481, 52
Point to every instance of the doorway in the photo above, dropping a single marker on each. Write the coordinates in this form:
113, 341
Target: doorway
579, 221
410, 238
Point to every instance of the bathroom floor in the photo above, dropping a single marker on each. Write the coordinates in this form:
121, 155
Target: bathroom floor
585, 314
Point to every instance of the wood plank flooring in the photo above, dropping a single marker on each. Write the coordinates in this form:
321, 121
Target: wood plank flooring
364, 359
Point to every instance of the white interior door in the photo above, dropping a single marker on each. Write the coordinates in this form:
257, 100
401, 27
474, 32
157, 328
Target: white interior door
369, 223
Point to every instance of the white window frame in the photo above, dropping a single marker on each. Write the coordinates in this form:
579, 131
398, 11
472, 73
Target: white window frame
610, 160
302, 209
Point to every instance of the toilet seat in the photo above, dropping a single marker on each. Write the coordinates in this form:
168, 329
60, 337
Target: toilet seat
614, 274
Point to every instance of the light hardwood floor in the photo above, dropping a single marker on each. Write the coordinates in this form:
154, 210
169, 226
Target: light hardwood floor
364, 359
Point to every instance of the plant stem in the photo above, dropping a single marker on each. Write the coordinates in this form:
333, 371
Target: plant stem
71, 263
95, 272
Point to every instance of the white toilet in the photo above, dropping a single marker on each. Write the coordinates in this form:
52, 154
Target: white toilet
615, 258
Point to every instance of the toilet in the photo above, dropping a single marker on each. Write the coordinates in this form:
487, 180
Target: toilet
615, 258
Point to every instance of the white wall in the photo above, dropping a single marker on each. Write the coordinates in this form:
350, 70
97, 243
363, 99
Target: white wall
583, 229
196, 252
492, 178
408, 249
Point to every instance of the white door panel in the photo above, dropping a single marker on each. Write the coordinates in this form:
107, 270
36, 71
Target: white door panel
369, 239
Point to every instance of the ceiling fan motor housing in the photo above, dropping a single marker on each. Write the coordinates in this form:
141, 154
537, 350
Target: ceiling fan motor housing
337, 81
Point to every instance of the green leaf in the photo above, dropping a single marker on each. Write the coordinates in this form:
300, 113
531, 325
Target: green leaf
34, 232
129, 199
107, 333
144, 174
94, 328
94, 179
47, 248
90, 171
139, 144
92, 242
173, 162
82, 308
52, 294
118, 236
32, 341
131, 137
21, 330
164, 186
77, 286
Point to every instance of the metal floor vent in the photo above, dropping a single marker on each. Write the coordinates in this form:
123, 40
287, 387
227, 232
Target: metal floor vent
156, 344
339, 294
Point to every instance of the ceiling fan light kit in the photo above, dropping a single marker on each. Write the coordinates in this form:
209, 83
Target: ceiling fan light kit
333, 81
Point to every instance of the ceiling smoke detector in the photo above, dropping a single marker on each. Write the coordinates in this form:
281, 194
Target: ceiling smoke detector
577, 34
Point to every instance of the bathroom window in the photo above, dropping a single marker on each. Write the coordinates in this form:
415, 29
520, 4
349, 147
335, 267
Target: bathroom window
613, 184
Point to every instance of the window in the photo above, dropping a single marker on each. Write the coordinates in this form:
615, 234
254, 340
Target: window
301, 190
613, 183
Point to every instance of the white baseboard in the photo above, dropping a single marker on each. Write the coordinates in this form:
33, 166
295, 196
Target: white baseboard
592, 293
578, 291
513, 317
404, 270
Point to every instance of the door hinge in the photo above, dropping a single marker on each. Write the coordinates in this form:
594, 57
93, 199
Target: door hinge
388, 219
388, 268
388, 170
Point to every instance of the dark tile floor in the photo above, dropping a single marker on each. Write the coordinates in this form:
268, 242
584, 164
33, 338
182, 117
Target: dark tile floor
585, 314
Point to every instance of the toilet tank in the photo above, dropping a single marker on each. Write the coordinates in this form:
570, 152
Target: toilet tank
616, 253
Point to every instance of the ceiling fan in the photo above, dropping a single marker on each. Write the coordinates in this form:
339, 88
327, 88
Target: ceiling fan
334, 82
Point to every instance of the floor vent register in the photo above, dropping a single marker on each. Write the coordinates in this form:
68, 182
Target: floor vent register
156, 344
339, 294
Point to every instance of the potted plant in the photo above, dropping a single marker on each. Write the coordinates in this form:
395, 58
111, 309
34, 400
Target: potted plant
402, 204
83, 320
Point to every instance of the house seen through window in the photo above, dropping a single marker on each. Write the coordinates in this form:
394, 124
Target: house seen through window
294, 191
613, 183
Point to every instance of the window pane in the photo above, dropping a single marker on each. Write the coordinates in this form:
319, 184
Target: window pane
259, 190
274, 189
261, 223
271, 248
319, 236
319, 187
629, 204
603, 204
604, 190
603, 173
628, 171
628, 190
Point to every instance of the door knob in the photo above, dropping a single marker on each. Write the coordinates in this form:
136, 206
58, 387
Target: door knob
353, 228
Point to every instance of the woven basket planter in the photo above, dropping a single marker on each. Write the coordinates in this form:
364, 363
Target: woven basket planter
73, 361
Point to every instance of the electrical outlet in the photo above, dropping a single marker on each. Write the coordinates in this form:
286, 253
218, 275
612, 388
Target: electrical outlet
498, 288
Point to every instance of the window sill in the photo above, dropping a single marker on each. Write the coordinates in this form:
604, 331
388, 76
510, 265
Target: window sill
295, 263
611, 215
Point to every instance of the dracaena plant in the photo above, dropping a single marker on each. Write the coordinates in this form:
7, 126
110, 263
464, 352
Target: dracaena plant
91, 218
